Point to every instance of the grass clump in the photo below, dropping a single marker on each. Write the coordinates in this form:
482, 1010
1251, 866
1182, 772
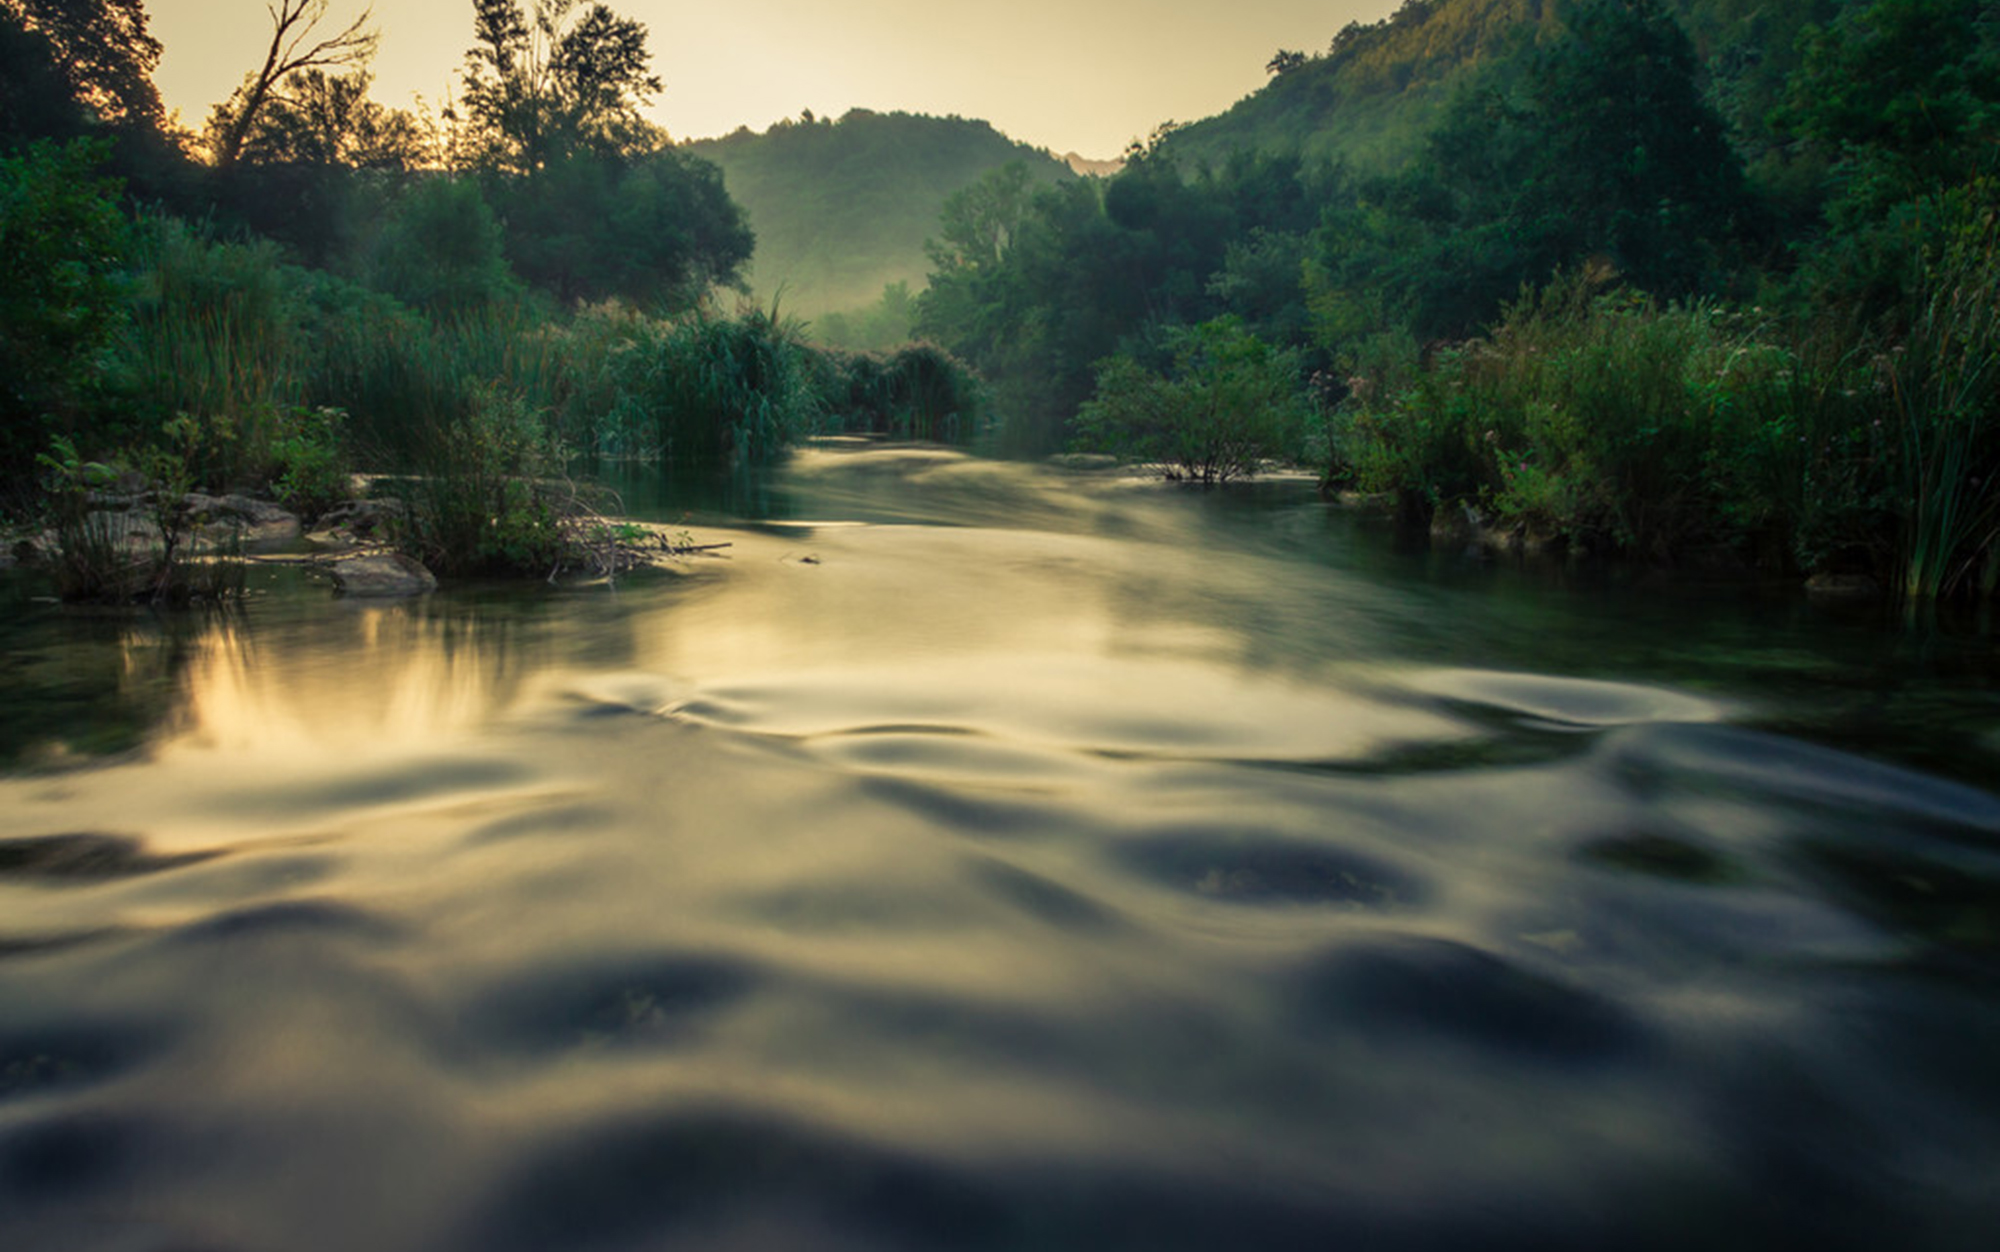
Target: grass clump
709, 387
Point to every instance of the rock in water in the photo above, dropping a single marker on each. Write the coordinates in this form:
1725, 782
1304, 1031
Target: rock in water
382, 575
1843, 587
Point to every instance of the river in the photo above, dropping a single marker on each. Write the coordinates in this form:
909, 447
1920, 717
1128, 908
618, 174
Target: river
975, 855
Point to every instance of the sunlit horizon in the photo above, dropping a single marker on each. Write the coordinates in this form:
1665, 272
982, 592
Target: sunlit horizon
1088, 80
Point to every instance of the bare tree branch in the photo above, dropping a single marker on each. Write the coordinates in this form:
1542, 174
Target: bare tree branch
292, 25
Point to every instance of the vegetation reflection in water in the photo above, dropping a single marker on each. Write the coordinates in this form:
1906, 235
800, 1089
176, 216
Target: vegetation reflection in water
1161, 870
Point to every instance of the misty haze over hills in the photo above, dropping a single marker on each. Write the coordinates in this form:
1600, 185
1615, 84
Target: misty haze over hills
842, 208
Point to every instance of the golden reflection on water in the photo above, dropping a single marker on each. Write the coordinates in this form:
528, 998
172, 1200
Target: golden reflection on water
379, 680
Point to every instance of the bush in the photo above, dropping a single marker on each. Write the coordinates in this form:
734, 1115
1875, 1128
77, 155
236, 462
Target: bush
311, 472
1608, 418
919, 391
485, 500
710, 387
1229, 402
120, 556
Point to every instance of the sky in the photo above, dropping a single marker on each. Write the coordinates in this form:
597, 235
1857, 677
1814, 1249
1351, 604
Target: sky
1068, 75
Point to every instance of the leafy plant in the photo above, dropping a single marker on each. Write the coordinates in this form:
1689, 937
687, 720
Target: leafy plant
1228, 402
62, 307
311, 467
485, 499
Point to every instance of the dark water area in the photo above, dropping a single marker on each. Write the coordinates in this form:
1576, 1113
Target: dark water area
979, 856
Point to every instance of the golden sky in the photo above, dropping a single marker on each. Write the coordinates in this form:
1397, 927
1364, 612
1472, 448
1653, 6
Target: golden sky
1070, 75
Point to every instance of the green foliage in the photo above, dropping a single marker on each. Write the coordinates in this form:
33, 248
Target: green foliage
541, 89
1661, 429
312, 470
486, 499
321, 119
656, 229
919, 391
1902, 97
1092, 268
62, 246
979, 220
219, 326
1943, 390
110, 555
102, 54
707, 386
1228, 403
1601, 149
442, 248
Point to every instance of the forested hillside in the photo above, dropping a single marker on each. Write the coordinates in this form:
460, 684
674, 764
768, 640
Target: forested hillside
841, 209
1654, 276
1368, 96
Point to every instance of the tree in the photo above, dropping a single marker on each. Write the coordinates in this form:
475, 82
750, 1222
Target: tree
1610, 149
62, 245
1284, 61
978, 221
656, 230
292, 51
1602, 153
101, 50
442, 249
1902, 97
322, 119
569, 82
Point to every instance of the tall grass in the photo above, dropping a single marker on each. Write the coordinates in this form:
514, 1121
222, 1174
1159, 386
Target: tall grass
1832, 445
714, 387
287, 377
1943, 389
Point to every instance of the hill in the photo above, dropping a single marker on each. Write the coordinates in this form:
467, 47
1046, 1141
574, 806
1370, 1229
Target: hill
842, 208
1372, 95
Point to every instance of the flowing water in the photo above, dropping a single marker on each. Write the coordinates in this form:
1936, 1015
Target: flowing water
973, 856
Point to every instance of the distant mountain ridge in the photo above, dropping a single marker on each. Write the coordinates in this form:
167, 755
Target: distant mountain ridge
842, 208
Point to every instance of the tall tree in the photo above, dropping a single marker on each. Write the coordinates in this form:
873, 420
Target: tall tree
978, 222
317, 118
1901, 97
102, 51
293, 50
569, 80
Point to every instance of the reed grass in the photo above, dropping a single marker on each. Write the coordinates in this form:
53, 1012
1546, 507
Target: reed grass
1943, 391
709, 387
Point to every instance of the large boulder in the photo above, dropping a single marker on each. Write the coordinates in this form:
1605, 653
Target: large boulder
383, 575
253, 523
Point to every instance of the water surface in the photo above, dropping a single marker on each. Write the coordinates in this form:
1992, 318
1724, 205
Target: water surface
975, 856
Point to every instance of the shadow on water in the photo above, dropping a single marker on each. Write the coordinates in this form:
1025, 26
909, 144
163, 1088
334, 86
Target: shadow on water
975, 855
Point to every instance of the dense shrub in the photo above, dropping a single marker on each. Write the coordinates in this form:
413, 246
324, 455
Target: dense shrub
487, 498
708, 386
1228, 402
918, 391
